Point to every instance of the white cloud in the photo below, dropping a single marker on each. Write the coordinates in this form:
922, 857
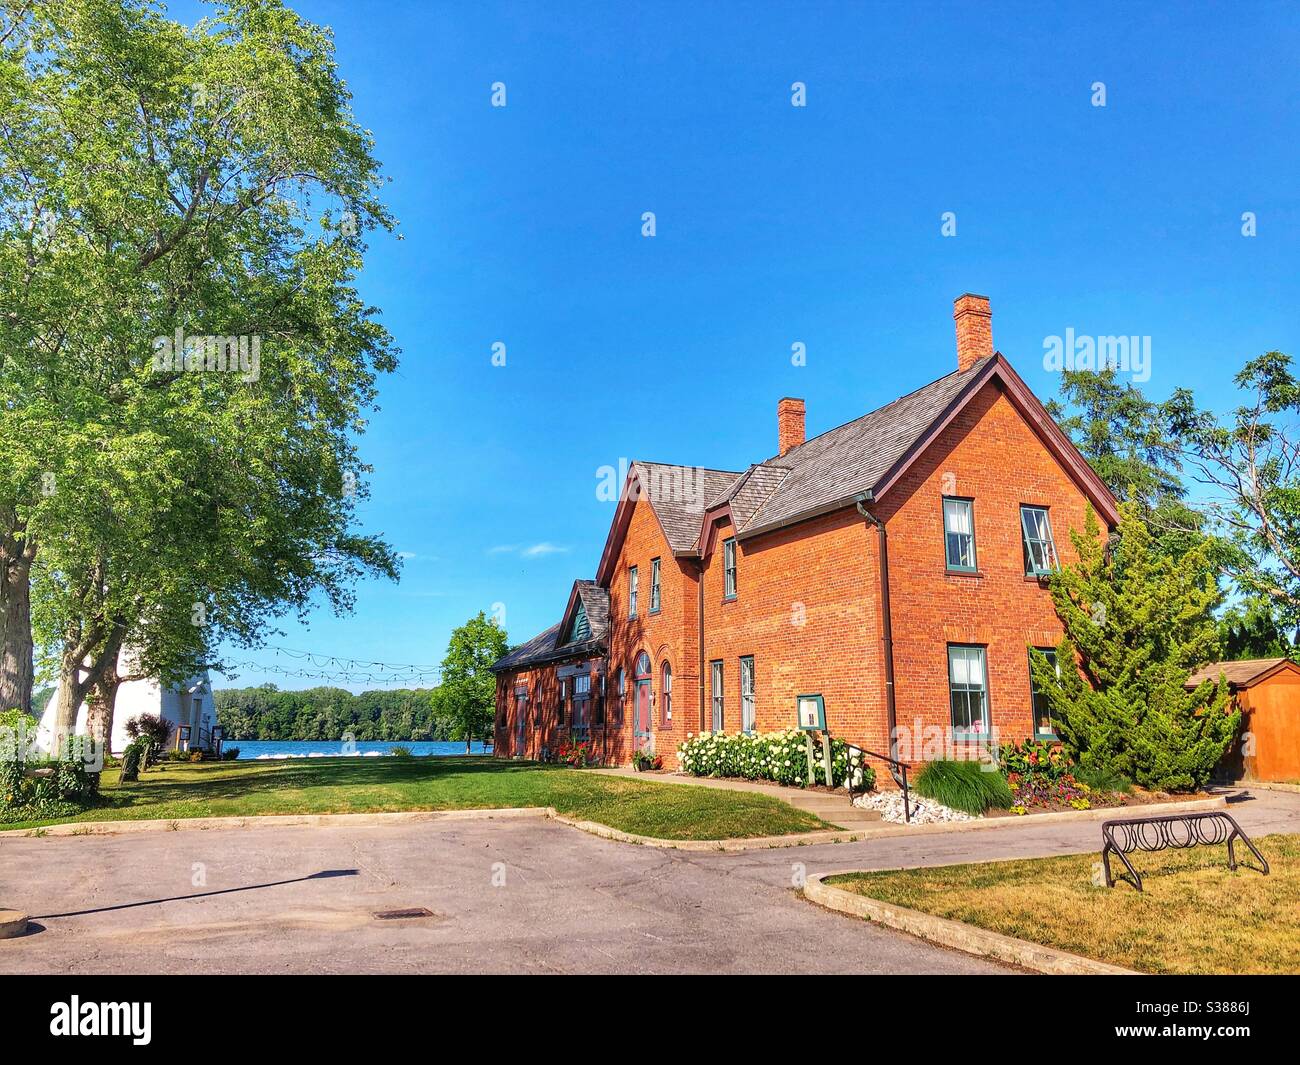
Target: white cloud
544, 548
528, 550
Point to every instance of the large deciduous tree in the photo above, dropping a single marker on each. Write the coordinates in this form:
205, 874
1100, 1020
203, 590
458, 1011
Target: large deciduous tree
1137, 622
156, 178
1130, 445
465, 699
1248, 465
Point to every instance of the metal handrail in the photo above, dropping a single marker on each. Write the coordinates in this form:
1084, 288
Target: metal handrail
895, 764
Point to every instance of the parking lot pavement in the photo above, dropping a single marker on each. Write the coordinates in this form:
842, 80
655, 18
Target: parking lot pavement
506, 896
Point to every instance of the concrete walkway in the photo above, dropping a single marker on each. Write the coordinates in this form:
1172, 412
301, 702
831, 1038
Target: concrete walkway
834, 808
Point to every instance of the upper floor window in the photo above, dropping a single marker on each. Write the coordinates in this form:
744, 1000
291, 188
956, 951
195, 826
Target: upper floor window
747, 693
631, 592
959, 533
1040, 548
655, 601
666, 702
729, 568
968, 691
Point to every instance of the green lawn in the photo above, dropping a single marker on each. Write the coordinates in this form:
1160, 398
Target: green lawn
1194, 916
368, 785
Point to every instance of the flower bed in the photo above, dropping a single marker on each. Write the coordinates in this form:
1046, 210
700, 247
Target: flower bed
1042, 776
780, 757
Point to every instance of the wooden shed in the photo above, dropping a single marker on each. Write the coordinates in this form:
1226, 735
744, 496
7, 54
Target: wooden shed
1268, 692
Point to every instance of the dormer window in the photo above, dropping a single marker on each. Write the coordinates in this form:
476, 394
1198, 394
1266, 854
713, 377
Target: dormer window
729, 568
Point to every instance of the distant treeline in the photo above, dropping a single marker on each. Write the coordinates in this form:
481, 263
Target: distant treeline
266, 713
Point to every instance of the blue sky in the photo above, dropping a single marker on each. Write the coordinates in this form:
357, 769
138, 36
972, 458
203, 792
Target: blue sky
775, 225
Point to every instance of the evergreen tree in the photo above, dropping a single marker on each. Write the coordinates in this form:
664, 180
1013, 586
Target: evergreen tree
1137, 622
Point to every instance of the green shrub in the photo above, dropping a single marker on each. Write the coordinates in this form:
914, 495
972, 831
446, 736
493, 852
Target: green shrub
399, 751
157, 730
133, 759
229, 754
777, 756
1099, 779
970, 786
43, 788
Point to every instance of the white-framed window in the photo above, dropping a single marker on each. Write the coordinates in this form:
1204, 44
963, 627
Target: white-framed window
666, 695
631, 592
729, 568
1040, 547
716, 672
655, 591
959, 534
968, 691
1043, 725
747, 705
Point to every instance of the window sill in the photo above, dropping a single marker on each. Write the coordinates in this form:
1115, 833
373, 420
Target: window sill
656, 610
977, 574
730, 598
1036, 578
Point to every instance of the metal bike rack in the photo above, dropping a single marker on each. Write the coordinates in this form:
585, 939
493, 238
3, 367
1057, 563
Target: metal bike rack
1175, 832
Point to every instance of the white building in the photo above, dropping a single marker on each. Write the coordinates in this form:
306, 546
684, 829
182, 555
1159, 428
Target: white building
185, 705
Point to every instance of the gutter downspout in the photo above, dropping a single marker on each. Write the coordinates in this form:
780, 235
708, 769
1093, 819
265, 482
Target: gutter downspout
699, 571
887, 630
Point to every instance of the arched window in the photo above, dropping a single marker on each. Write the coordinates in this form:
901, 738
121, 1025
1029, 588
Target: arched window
643, 666
666, 697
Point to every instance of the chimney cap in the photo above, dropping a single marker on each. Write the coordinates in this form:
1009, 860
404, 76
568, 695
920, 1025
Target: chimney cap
970, 296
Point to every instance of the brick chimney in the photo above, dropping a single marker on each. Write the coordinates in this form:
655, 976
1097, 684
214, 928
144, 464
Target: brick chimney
789, 423
974, 329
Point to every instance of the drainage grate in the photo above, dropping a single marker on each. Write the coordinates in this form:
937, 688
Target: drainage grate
403, 915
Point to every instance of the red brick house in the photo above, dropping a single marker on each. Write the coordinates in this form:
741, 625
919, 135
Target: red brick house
889, 569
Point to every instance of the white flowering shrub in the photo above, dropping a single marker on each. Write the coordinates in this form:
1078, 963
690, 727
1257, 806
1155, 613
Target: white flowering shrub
777, 756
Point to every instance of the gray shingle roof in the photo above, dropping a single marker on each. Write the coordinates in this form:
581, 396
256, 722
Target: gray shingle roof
679, 495
851, 459
539, 646
595, 601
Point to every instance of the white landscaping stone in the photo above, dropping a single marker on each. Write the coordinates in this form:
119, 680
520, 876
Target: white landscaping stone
924, 811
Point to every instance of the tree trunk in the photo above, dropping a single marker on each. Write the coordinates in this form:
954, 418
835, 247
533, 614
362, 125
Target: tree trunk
100, 707
79, 674
15, 618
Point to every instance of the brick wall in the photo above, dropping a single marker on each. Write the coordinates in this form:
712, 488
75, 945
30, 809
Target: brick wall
807, 605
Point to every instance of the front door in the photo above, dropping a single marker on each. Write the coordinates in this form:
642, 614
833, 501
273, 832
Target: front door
521, 725
642, 723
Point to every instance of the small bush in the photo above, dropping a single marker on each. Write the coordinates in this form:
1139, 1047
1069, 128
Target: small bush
63, 787
644, 761
1099, 779
133, 759
399, 751
972, 787
156, 729
229, 754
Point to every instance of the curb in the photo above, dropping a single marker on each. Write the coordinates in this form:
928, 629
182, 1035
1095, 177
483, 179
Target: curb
1265, 785
803, 839
956, 934
202, 824
12, 924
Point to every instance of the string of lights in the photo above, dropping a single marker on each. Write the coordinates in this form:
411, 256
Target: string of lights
340, 669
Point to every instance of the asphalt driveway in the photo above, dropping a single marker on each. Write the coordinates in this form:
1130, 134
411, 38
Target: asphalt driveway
505, 896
